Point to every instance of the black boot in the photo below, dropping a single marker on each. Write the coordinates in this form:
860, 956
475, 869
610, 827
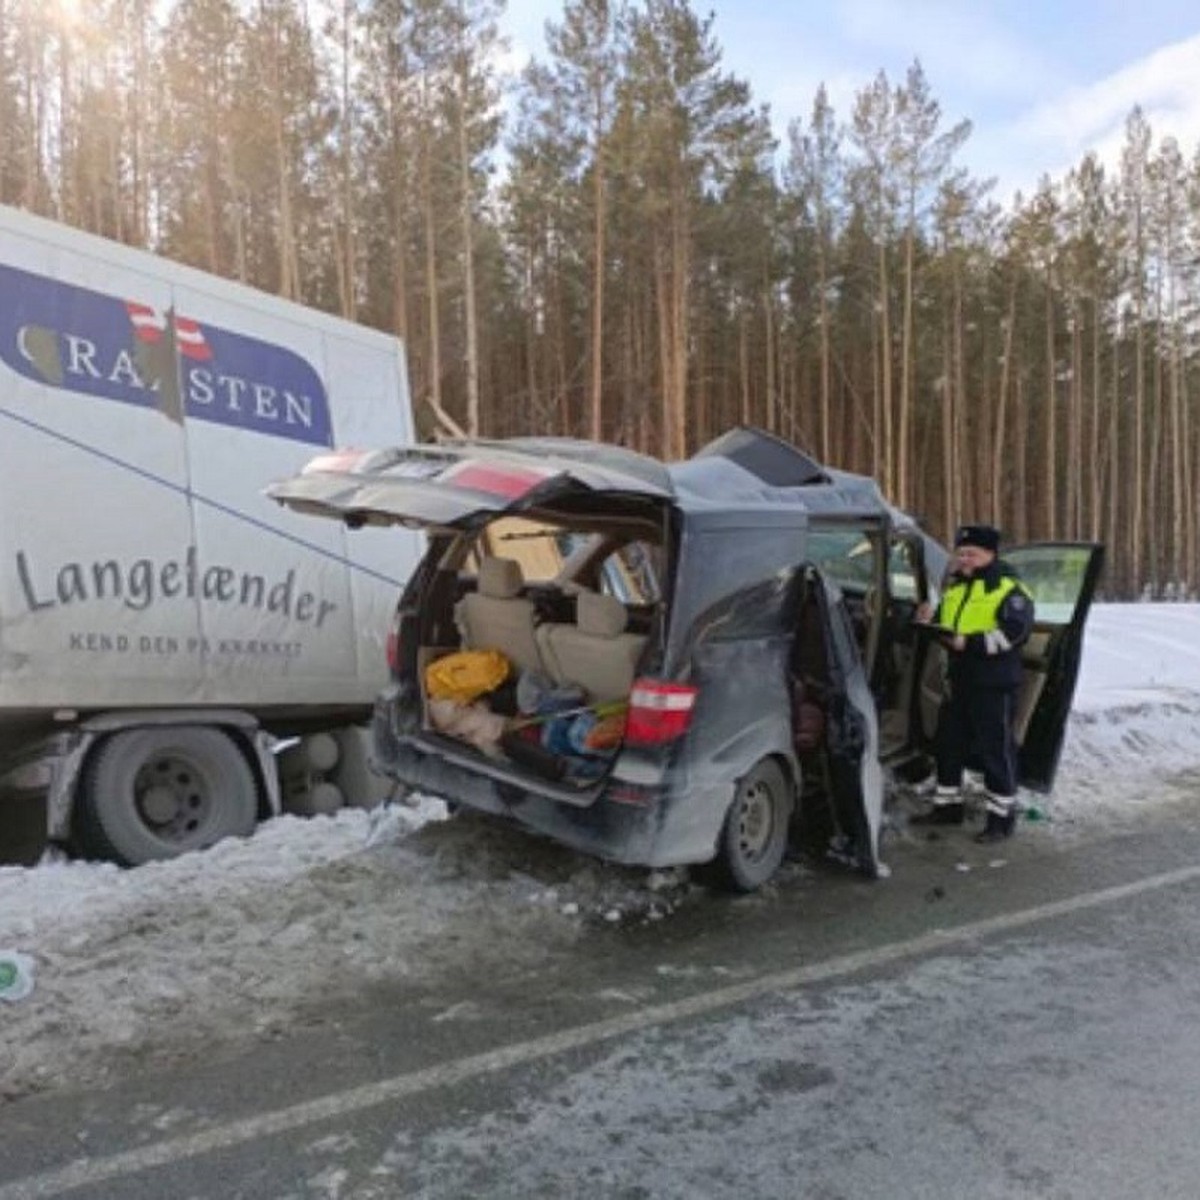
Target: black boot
997, 828
941, 814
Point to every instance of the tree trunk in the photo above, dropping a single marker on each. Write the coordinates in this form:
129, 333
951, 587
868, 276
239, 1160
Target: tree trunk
888, 452
1136, 525
289, 283
596, 400
906, 369
399, 266
1096, 474
826, 412
1050, 454
1189, 488
950, 507
434, 381
681, 278
967, 462
1074, 477
1114, 479
467, 220
349, 273
1001, 427
1021, 472
1179, 532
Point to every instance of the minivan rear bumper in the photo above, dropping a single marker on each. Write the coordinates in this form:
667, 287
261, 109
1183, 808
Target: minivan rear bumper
623, 820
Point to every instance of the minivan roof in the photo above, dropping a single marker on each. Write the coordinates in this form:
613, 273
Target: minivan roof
751, 470
745, 469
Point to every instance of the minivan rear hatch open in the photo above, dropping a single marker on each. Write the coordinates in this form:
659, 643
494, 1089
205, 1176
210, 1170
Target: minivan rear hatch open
460, 484
461, 493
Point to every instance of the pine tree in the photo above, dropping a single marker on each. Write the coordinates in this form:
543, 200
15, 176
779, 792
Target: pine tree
1135, 160
924, 155
876, 183
585, 51
694, 125
816, 176
199, 60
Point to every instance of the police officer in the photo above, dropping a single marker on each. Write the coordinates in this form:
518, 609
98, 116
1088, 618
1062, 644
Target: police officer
984, 617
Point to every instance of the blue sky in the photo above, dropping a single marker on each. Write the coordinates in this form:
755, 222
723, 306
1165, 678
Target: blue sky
1042, 82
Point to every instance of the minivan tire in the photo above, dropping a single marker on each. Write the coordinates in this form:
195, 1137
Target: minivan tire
754, 836
159, 791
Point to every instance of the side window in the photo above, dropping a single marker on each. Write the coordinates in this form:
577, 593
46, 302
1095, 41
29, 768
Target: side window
847, 555
765, 609
903, 569
1056, 576
631, 574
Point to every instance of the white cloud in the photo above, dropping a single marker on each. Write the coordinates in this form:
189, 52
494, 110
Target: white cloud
958, 44
1054, 135
1164, 81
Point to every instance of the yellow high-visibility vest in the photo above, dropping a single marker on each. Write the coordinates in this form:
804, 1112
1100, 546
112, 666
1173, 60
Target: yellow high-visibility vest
968, 607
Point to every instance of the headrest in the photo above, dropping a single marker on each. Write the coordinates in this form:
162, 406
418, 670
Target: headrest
500, 578
598, 615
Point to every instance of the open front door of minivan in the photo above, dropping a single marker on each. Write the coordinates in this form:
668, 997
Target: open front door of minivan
1062, 577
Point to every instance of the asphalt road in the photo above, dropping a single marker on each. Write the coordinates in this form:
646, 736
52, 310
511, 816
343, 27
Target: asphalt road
1024, 1028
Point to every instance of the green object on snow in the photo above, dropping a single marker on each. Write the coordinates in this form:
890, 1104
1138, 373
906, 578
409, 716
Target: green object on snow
16, 975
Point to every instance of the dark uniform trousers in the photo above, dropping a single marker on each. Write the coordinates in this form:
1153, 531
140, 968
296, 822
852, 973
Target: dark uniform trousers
975, 727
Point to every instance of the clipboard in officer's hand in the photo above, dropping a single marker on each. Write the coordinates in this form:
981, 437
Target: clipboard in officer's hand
935, 628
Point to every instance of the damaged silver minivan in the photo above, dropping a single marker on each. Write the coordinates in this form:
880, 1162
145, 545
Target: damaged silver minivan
701, 661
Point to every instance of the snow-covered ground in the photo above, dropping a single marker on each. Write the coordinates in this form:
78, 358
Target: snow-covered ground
173, 956
1134, 735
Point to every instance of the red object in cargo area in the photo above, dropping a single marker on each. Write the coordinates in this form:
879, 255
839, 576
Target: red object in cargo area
659, 712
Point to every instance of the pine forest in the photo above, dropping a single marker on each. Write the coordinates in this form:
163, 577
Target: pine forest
618, 243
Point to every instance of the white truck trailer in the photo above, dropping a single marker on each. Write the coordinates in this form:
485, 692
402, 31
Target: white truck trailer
162, 624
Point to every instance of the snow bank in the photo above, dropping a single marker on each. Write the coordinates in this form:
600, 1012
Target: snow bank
1134, 734
172, 957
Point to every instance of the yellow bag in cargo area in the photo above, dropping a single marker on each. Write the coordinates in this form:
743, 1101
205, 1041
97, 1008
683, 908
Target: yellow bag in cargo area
465, 676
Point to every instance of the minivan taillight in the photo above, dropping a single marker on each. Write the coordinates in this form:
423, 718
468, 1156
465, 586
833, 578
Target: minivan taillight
393, 645
659, 712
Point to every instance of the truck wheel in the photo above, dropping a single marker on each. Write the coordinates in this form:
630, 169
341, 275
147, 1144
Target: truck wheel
157, 792
754, 837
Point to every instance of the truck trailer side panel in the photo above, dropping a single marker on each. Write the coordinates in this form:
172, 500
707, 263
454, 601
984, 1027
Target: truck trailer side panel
143, 408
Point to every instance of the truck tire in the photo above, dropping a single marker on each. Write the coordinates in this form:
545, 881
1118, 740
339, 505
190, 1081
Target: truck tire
157, 792
754, 836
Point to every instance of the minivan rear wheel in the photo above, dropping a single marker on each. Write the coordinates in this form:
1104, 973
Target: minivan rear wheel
755, 834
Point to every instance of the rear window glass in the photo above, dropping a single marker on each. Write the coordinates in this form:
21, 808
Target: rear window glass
533, 545
542, 548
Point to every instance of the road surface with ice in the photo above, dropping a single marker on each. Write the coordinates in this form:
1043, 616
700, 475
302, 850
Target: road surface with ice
319, 958
1020, 1028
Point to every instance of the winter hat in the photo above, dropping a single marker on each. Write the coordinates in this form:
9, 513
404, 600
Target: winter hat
986, 537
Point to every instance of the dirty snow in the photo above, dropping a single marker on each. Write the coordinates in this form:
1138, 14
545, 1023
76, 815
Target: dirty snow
170, 958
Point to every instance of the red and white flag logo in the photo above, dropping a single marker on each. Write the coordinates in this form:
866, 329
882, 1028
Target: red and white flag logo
190, 339
149, 325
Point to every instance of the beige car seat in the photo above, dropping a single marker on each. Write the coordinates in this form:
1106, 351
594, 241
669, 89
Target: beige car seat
497, 617
595, 652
